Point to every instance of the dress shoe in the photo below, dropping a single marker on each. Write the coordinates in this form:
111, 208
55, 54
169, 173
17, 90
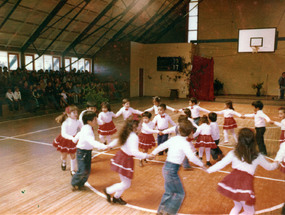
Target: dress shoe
108, 196
72, 173
119, 201
208, 163
63, 166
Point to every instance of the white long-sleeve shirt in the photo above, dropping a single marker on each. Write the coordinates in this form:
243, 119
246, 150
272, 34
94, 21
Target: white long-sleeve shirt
10, 96
178, 147
203, 129
105, 117
69, 128
155, 109
195, 111
87, 140
162, 121
280, 156
259, 118
127, 112
215, 131
242, 165
148, 128
281, 124
131, 147
17, 95
193, 123
228, 113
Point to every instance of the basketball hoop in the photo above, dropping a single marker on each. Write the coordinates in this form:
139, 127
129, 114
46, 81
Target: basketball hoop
254, 49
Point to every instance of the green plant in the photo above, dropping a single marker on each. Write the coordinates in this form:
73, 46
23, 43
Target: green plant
218, 86
91, 95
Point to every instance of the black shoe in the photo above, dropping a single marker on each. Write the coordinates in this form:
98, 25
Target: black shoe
63, 166
119, 201
201, 158
108, 196
72, 173
208, 163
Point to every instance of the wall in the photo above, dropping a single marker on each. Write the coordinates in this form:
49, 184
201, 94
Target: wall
157, 83
221, 19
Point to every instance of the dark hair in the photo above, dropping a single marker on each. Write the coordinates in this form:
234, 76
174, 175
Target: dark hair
193, 100
147, 114
156, 98
204, 119
88, 116
229, 104
185, 128
182, 118
90, 104
61, 118
124, 101
106, 105
212, 116
163, 106
128, 127
282, 109
257, 104
187, 111
246, 149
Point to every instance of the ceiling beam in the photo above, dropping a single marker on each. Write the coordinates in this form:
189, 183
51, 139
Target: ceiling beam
10, 13
3, 3
89, 27
37, 33
157, 23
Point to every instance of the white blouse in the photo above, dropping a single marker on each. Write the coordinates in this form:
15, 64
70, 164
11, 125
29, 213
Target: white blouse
69, 128
127, 112
105, 117
148, 128
228, 113
203, 129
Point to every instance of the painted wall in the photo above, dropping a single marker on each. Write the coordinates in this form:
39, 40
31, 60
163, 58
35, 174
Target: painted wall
157, 82
221, 19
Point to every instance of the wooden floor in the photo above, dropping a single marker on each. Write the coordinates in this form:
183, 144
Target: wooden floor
33, 183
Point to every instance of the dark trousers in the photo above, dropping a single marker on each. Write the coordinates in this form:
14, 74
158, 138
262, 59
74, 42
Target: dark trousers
217, 151
84, 167
161, 139
282, 93
260, 140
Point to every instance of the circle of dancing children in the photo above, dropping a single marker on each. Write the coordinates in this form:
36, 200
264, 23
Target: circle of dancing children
204, 139
178, 147
106, 124
238, 185
146, 138
65, 142
86, 142
229, 121
123, 161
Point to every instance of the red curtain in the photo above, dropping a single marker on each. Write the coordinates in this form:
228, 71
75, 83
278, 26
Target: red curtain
202, 79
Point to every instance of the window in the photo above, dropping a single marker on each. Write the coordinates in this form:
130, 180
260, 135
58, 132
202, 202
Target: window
193, 21
74, 64
48, 62
13, 60
81, 65
87, 65
3, 59
56, 63
29, 62
67, 62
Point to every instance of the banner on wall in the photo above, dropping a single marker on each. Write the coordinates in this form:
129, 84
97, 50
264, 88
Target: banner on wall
202, 79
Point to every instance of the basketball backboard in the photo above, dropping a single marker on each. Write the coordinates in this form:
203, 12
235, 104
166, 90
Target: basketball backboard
257, 40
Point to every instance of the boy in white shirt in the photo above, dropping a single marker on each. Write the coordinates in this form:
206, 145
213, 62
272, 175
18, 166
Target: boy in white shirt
10, 99
84, 149
259, 123
127, 111
17, 98
161, 120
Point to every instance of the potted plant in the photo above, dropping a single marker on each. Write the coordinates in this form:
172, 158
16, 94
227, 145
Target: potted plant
257, 86
218, 86
95, 97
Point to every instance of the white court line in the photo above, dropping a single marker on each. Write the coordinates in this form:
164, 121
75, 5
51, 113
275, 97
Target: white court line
33, 132
32, 117
30, 141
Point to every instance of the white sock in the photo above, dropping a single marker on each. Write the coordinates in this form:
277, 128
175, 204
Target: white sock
201, 151
208, 153
234, 135
72, 164
226, 136
108, 139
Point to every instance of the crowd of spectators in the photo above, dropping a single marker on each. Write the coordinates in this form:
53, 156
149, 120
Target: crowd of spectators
54, 89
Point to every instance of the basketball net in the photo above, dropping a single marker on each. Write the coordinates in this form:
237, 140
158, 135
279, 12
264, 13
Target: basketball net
254, 49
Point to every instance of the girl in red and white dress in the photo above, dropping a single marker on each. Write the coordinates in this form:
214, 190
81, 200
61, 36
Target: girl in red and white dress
204, 139
280, 158
106, 125
229, 121
281, 124
146, 138
123, 161
238, 185
65, 141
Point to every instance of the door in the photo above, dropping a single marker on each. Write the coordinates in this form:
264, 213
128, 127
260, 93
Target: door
141, 82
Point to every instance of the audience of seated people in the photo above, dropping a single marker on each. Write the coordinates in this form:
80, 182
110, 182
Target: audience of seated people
53, 89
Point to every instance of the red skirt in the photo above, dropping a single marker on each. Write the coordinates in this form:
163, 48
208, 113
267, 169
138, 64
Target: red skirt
123, 164
238, 186
205, 141
64, 145
282, 166
146, 141
282, 136
229, 123
107, 129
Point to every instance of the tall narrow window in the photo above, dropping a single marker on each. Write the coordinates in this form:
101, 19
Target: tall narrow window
29, 62
39, 62
13, 60
3, 59
48, 62
193, 21
81, 65
67, 63
56, 63
87, 65
74, 64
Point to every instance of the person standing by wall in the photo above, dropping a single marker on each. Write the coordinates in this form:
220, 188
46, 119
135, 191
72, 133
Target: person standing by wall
281, 83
